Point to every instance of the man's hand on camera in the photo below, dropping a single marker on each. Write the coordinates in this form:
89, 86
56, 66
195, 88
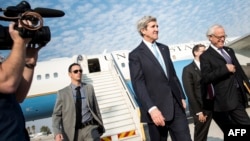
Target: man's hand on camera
15, 35
32, 55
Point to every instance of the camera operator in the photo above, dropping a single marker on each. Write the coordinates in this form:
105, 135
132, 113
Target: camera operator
16, 74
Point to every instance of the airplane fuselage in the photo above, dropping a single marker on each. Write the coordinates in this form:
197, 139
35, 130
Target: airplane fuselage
52, 75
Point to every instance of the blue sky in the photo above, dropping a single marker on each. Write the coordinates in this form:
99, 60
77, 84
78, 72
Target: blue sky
91, 26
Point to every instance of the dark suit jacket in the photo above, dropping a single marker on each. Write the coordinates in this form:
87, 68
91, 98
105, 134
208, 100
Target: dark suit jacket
150, 83
191, 77
214, 70
64, 115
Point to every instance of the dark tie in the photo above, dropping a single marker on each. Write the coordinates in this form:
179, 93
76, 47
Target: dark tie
226, 57
210, 91
78, 106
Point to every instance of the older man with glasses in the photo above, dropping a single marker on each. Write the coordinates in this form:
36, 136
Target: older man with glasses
76, 115
220, 67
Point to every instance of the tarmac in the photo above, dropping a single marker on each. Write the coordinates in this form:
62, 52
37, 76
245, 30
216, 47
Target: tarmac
214, 134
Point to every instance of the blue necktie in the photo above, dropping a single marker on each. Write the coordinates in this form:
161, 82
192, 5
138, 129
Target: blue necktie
159, 58
226, 57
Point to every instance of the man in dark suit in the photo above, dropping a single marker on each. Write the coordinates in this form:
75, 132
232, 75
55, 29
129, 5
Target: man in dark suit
67, 125
191, 77
157, 88
220, 67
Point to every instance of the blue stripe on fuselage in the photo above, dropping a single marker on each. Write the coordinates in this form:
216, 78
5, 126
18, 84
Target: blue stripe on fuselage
38, 107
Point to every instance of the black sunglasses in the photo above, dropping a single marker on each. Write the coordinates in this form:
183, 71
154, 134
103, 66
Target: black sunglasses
76, 71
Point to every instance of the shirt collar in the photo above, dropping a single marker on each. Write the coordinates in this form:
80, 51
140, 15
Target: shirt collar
148, 44
197, 64
74, 86
214, 47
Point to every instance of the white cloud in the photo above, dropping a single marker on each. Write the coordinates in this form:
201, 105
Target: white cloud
89, 27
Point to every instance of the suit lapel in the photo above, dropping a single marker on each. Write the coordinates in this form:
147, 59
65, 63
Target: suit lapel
149, 54
86, 92
69, 94
196, 69
165, 57
231, 54
217, 55
214, 53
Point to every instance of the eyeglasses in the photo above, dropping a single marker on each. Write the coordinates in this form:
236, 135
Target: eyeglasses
219, 37
76, 71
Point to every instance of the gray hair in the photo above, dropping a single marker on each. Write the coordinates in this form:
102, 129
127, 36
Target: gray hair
210, 30
143, 22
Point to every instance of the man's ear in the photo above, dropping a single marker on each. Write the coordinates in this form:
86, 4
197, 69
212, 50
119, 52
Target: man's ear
143, 31
209, 37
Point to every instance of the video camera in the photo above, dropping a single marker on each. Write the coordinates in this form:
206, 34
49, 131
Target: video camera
35, 30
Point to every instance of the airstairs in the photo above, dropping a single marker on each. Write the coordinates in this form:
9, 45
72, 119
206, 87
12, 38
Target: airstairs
119, 111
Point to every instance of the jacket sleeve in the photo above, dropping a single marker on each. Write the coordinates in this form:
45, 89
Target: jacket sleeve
138, 82
57, 116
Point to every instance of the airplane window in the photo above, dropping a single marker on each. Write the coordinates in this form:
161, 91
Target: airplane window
47, 76
123, 65
55, 74
38, 77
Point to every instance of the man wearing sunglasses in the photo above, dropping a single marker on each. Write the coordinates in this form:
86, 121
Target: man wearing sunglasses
76, 115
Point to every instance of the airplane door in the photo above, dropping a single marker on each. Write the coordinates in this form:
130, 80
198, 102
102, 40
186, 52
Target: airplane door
94, 65
83, 61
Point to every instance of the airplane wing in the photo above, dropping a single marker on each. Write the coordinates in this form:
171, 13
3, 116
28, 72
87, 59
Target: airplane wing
240, 43
241, 47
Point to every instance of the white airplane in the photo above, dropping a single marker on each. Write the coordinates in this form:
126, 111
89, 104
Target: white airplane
109, 73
